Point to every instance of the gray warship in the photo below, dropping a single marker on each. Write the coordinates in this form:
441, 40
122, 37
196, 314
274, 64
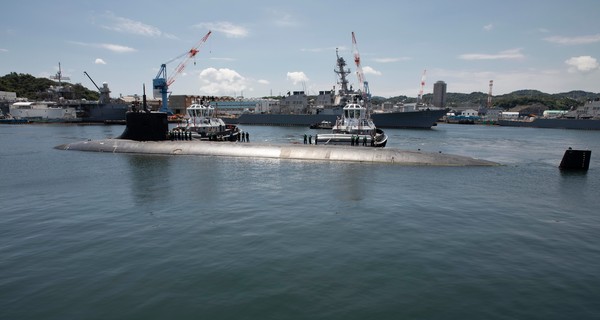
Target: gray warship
417, 118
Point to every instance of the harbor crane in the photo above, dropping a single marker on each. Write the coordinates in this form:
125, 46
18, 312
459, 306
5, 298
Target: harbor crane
161, 82
359, 72
420, 96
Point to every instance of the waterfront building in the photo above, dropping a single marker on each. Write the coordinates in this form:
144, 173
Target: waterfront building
439, 94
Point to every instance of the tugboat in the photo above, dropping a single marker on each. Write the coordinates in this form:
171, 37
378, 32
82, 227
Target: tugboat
202, 124
355, 126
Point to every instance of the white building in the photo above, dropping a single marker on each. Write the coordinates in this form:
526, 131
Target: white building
469, 113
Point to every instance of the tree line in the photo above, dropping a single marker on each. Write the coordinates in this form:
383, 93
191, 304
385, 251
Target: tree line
32, 88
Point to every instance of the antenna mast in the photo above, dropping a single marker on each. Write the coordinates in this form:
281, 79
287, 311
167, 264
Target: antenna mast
489, 100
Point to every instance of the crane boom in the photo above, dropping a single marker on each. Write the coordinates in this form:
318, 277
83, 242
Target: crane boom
420, 96
359, 72
161, 82
95, 85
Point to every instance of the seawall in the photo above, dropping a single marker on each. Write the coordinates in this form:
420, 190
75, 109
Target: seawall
292, 151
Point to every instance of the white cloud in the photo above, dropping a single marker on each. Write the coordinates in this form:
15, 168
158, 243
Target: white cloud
582, 64
221, 81
574, 40
3, 50
263, 81
488, 27
229, 29
369, 70
503, 55
126, 25
297, 77
99, 61
282, 19
115, 47
108, 46
388, 60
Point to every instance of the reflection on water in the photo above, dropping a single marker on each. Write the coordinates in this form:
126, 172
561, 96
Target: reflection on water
149, 177
353, 182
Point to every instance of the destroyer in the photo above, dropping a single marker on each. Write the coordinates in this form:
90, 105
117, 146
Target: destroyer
420, 117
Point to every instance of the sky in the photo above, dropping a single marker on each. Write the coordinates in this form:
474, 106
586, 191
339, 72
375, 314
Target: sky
263, 48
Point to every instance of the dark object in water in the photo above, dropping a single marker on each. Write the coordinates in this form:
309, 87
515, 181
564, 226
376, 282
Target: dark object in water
576, 160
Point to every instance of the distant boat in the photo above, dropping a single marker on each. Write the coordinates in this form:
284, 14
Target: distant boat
322, 125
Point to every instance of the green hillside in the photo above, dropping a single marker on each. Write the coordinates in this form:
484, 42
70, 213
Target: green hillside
30, 87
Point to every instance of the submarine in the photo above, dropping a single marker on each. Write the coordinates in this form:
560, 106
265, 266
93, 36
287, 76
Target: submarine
147, 132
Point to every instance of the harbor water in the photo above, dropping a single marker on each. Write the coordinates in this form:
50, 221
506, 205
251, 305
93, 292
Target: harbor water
87, 235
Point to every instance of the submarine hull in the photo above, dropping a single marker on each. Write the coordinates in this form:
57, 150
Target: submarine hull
292, 151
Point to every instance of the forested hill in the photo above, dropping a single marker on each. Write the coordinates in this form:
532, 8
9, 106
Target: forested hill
30, 87
558, 101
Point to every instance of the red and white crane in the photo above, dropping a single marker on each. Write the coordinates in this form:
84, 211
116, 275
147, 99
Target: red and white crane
161, 83
359, 72
420, 96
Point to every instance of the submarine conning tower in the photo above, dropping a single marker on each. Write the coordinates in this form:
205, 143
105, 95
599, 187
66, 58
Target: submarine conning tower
145, 126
